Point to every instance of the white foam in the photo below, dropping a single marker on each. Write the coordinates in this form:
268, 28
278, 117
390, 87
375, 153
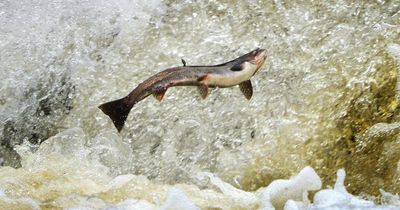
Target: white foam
295, 205
21, 201
394, 51
339, 198
133, 204
176, 199
388, 198
227, 189
121, 180
296, 188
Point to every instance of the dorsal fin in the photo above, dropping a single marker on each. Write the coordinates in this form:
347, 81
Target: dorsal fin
247, 89
237, 67
183, 62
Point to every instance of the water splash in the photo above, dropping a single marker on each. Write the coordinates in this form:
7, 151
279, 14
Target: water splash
330, 78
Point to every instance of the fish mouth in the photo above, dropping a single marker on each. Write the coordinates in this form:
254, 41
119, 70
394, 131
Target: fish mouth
259, 57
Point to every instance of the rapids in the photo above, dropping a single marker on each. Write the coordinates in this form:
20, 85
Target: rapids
326, 99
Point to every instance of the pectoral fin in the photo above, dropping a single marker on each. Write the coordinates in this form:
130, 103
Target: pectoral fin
203, 90
247, 89
203, 78
159, 95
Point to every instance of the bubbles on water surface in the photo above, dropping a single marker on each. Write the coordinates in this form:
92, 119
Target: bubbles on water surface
330, 77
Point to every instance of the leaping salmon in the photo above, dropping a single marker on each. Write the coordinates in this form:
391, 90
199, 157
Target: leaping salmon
234, 72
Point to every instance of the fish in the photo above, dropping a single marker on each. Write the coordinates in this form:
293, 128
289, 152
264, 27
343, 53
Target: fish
235, 72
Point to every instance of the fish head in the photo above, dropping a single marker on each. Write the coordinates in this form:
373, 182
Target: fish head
258, 58
254, 58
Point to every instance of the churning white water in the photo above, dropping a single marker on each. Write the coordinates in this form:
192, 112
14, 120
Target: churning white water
326, 99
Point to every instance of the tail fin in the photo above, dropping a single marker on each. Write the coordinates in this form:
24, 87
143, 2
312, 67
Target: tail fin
118, 111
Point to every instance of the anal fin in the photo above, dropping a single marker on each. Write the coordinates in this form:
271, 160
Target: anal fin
159, 95
203, 90
247, 89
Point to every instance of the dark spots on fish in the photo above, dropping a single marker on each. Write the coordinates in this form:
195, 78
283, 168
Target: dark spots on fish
237, 67
253, 134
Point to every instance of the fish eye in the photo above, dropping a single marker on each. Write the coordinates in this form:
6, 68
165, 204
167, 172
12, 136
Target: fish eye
256, 51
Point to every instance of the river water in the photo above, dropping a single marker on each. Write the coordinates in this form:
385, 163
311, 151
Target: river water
326, 97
